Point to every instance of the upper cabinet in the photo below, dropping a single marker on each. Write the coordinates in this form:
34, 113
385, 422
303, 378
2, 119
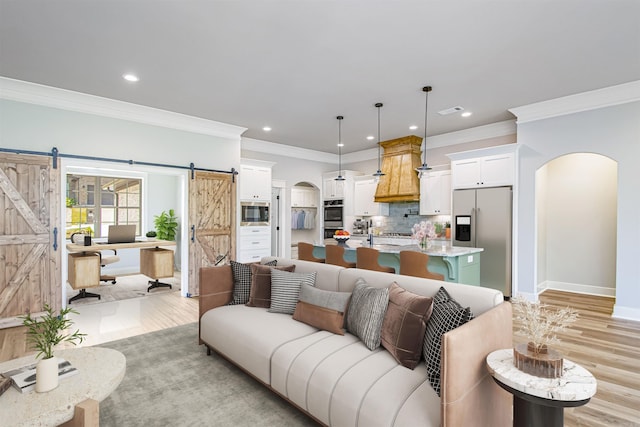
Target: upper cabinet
255, 183
490, 167
333, 189
340, 190
435, 193
302, 197
363, 199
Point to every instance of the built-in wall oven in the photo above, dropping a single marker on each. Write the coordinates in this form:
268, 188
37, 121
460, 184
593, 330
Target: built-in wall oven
333, 217
254, 213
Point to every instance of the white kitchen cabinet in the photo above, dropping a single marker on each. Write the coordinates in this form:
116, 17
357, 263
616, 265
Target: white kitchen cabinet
363, 199
478, 171
435, 193
254, 243
333, 189
303, 198
255, 183
340, 190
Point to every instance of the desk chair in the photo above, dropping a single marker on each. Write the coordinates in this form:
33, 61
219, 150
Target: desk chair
414, 263
367, 258
335, 256
305, 252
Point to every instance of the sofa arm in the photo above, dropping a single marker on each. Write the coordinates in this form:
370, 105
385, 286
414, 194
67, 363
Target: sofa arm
216, 288
469, 396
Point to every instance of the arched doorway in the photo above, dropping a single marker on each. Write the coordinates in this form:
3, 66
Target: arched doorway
576, 222
305, 215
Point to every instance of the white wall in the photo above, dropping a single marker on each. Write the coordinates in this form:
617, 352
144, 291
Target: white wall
577, 211
613, 132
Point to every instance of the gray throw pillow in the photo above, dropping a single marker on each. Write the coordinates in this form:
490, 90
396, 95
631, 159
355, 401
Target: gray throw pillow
447, 314
366, 313
242, 281
322, 309
285, 289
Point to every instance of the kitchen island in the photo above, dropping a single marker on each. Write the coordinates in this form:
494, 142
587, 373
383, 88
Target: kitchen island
457, 264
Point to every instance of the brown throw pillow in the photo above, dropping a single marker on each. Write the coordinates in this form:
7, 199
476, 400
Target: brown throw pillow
404, 325
322, 309
260, 291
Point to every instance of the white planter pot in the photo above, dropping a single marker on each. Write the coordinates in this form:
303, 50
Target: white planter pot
47, 374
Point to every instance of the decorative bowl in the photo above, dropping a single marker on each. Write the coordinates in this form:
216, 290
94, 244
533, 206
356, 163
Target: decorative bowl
342, 240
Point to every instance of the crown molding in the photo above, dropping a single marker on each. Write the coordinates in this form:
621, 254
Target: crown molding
33, 93
267, 147
493, 130
599, 98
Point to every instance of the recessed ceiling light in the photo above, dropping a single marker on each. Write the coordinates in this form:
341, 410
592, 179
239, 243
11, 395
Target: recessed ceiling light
370, 137
340, 144
266, 128
466, 114
130, 77
413, 127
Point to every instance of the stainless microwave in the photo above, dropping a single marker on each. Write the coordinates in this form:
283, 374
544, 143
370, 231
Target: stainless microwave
254, 213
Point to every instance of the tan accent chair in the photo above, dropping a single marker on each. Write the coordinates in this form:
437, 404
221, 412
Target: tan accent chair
305, 252
414, 263
367, 258
335, 256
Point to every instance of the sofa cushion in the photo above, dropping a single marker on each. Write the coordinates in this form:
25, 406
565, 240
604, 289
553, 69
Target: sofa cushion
260, 292
366, 313
404, 325
285, 289
447, 314
323, 309
242, 281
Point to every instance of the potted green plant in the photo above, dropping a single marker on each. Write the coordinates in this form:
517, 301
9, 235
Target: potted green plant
166, 224
44, 334
151, 235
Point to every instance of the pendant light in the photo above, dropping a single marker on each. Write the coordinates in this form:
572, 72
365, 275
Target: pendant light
422, 170
378, 173
340, 145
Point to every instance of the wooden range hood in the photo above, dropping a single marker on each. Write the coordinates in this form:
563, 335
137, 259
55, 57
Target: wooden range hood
400, 182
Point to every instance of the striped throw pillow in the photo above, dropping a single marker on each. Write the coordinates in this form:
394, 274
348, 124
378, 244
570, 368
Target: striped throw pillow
366, 313
285, 289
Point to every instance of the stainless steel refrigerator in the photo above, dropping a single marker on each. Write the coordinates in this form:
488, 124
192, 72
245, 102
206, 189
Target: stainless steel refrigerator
482, 219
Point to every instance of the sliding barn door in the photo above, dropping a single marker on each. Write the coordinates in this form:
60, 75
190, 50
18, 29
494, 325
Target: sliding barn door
29, 240
212, 216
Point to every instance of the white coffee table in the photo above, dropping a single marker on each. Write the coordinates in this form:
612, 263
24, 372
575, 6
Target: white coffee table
539, 401
100, 371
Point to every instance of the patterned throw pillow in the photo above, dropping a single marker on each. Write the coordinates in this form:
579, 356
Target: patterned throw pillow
404, 325
366, 313
260, 293
447, 315
322, 309
285, 289
242, 281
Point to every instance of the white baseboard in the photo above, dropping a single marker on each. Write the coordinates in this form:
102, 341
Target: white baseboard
629, 313
577, 288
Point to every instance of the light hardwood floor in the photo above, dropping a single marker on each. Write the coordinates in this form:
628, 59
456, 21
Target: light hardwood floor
608, 348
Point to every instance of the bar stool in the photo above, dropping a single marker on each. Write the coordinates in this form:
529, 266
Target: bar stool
305, 252
367, 258
414, 263
335, 256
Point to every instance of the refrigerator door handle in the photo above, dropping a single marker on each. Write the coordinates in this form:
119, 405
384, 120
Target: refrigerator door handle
473, 227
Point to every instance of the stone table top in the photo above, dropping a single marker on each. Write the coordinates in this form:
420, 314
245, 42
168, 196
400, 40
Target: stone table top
575, 384
100, 371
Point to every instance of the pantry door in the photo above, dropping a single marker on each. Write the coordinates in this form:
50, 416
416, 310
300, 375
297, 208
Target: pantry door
212, 218
29, 236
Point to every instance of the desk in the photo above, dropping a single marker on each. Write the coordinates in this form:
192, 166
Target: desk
100, 371
154, 262
541, 401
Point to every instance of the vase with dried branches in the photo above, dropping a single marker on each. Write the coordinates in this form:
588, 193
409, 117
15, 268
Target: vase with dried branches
540, 324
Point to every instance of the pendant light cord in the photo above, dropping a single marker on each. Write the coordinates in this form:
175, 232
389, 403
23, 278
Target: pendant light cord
426, 106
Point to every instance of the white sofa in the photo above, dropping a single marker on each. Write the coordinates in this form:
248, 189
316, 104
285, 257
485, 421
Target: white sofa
337, 381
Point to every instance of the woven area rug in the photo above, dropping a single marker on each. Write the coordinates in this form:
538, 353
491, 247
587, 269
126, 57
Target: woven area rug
126, 287
170, 381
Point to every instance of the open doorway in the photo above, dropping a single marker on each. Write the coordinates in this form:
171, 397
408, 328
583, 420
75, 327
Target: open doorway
305, 215
576, 210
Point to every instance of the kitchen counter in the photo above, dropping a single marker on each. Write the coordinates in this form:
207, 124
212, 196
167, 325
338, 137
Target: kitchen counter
456, 263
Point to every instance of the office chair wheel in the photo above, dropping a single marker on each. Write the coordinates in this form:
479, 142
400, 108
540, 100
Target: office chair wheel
113, 281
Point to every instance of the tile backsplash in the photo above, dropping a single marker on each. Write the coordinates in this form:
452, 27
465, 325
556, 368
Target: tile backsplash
402, 216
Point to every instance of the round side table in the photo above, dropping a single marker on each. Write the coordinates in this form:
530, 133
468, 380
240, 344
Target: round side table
541, 401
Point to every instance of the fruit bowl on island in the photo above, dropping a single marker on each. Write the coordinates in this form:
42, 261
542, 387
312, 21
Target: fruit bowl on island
342, 238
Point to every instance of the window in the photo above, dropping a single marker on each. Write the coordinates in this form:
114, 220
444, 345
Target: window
96, 202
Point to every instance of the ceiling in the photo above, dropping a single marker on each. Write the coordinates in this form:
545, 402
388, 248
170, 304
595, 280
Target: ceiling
295, 65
